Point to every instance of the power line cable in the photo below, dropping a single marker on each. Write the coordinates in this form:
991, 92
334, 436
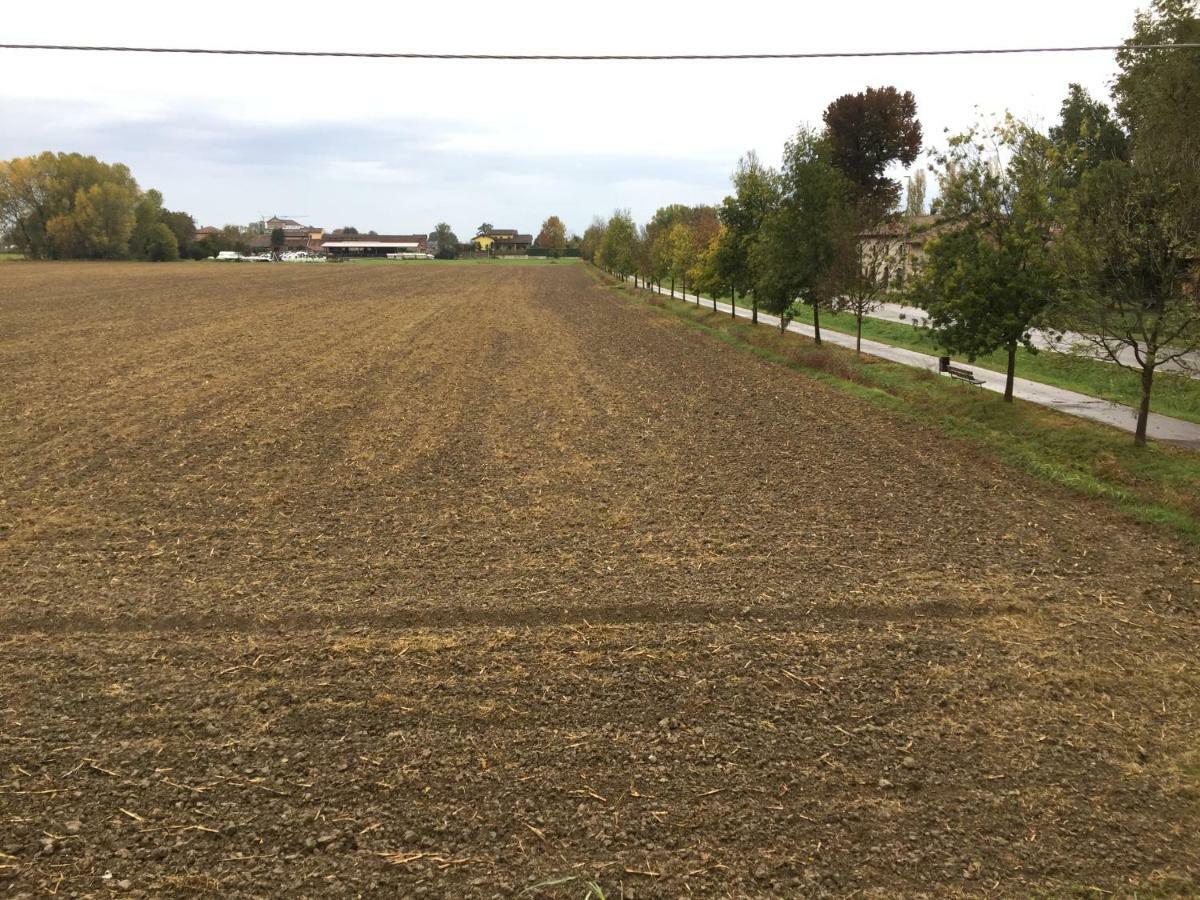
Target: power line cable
601, 57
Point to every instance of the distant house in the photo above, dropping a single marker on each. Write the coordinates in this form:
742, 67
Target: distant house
503, 242
308, 239
903, 242
206, 231
288, 226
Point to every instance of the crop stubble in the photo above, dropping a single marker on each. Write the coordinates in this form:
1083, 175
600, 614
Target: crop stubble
463, 579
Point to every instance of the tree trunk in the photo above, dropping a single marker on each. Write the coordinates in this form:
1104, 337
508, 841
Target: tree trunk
733, 302
1012, 369
672, 287
714, 299
858, 335
817, 322
1139, 436
754, 309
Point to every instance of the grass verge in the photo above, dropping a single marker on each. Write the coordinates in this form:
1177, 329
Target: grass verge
1174, 395
1157, 484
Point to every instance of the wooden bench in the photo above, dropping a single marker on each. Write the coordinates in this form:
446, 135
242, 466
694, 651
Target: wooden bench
962, 374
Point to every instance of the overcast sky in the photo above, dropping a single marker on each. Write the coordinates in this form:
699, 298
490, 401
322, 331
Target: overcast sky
398, 146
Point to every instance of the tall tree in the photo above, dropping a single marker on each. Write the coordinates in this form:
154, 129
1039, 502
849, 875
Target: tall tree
65, 205
102, 221
914, 194
161, 244
183, 226
553, 235
278, 239
985, 281
446, 240
483, 229
147, 213
1086, 135
869, 131
1157, 95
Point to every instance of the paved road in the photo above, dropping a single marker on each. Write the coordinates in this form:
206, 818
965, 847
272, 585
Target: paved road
1160, 428
1069, 342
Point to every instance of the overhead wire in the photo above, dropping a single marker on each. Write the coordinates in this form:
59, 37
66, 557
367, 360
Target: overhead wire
600, 57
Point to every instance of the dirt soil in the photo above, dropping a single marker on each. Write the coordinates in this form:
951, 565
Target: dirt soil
485, 581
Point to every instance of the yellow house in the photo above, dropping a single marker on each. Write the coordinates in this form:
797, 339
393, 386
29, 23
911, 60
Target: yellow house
483, 242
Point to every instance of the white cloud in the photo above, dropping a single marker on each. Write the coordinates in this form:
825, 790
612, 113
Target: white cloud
227, 137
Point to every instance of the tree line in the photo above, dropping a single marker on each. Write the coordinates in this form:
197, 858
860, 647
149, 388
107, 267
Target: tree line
70, 206
1092, 227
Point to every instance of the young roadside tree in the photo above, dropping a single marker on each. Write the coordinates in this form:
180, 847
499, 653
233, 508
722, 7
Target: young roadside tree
794, 257
658, 254
724, 261
680, 254
860, 271
704, 225
618, 248
278, 239
985, 281
706, 272
914, 194
756, 194
1130, 247
1129, 262
658, 244
593, 235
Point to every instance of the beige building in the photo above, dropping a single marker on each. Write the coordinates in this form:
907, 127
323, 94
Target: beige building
902, 242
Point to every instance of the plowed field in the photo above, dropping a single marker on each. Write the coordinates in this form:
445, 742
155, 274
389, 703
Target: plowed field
472, 581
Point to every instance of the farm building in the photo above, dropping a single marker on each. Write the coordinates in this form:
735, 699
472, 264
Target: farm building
373, 245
